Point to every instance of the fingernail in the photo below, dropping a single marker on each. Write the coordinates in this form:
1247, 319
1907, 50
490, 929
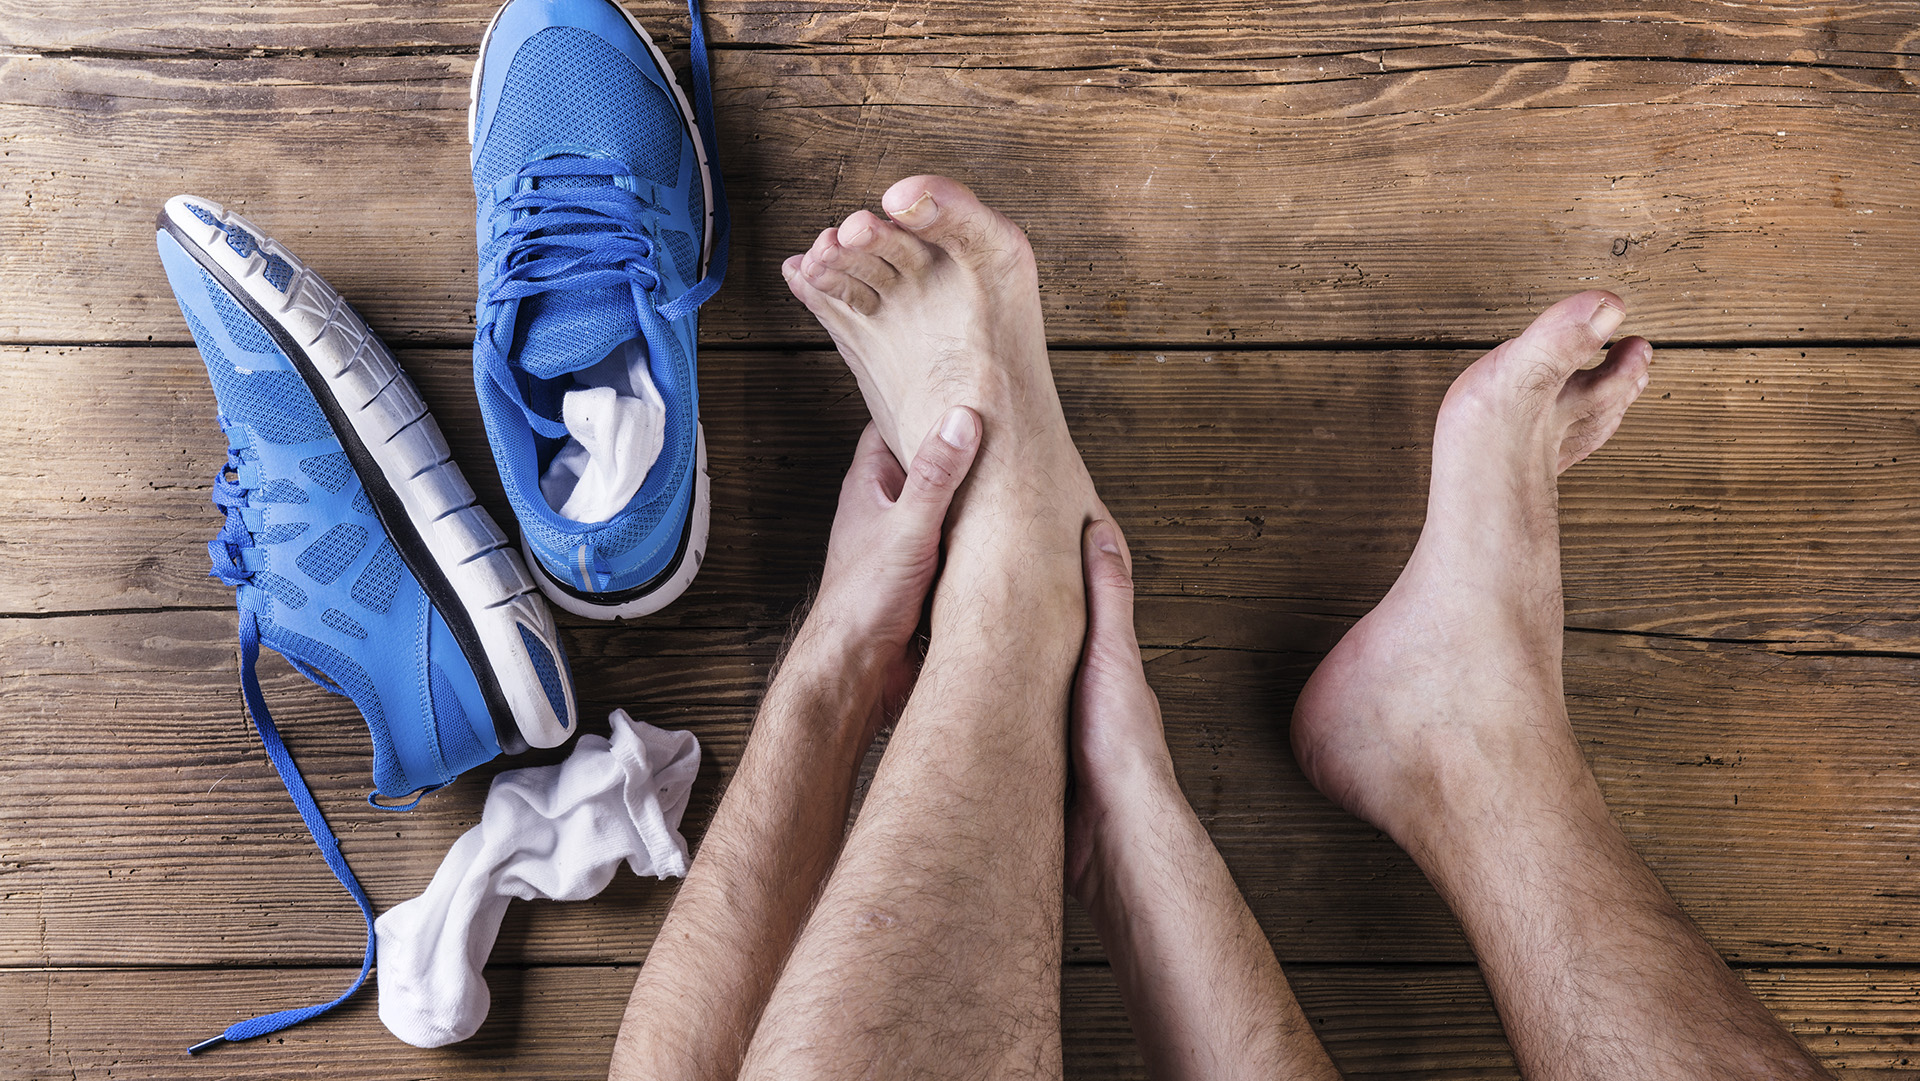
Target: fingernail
1106, 537
1605, 318
957, 429
921, 214
859, 235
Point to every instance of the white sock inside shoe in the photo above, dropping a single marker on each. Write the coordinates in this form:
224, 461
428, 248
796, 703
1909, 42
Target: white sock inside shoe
616, 423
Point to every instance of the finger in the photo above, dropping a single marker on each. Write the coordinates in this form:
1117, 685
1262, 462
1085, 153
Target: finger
874, 464
1109, 570
937, 471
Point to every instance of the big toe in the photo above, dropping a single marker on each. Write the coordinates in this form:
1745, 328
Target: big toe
944, 212
1596, 399
1560, 342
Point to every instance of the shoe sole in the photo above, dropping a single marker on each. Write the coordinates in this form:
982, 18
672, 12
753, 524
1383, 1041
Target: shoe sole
466, 565
668, 585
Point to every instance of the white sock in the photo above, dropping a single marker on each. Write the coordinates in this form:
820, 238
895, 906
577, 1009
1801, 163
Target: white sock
554, 832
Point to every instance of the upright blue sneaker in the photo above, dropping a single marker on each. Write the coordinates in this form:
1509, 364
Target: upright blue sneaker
602, 229
353, 542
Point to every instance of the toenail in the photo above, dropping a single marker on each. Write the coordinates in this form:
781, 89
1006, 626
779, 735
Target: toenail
859, 236
1605, 318
921, 214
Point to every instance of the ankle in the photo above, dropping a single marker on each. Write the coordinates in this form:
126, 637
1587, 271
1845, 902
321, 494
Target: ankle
1133, 821
1523, 779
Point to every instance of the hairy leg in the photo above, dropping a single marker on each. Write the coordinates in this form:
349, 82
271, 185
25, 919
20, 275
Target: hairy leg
698, 998
935, 948
1440, 719
1202, 987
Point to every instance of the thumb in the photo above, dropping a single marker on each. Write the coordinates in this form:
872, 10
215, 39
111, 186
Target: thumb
941, 464
1110, 634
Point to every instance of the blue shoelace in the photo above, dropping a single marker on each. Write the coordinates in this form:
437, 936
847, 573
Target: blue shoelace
235, 559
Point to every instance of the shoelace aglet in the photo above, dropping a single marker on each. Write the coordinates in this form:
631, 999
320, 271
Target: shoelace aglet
204, 1044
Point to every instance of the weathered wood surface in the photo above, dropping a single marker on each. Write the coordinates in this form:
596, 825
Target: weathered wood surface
546, 1022
1208, 177
1398, 34
1231, 203
1767, 494
1775, 793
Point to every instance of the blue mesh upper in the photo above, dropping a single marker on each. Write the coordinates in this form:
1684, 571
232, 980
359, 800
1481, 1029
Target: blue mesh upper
282, 533
281, 589
459, 748
276, 403
685, 252
375, 587
606, 105
281, 491
330, 471
344, 623
327, 558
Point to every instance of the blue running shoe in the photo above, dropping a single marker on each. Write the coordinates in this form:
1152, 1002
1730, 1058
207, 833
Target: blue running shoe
353, 542
602, 229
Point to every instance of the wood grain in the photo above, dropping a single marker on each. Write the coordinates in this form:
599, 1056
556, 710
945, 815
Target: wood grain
1167, 205
1774, 792
1759, 494
1398, 34
546, 1022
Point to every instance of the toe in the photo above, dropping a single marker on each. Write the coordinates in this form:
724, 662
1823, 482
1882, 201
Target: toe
859, 263
868, 232
943, 212
1596, 399
1560, 342
829, 309
839, 285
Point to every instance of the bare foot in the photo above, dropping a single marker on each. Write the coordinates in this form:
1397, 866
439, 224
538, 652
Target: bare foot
936, 308
1434, 697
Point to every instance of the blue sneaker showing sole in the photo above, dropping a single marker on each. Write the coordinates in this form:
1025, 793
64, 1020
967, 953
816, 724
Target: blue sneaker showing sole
354, 544
602, 229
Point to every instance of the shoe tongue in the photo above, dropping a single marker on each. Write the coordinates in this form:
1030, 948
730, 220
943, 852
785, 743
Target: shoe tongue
570, 329
573, 329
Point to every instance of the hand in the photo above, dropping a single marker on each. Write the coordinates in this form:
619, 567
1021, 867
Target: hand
885, 551
1117, 744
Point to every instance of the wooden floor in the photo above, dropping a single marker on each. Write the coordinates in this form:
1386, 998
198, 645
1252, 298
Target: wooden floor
1269, 234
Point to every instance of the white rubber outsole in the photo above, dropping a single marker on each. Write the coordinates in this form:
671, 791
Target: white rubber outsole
490, 581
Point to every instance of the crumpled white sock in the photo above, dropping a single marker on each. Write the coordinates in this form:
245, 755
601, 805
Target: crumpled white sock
614, 439
546, 832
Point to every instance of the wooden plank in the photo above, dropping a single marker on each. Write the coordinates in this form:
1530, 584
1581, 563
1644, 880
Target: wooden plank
559, 1023
1774, 792
1167, 205
1762, 494
1147, 34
